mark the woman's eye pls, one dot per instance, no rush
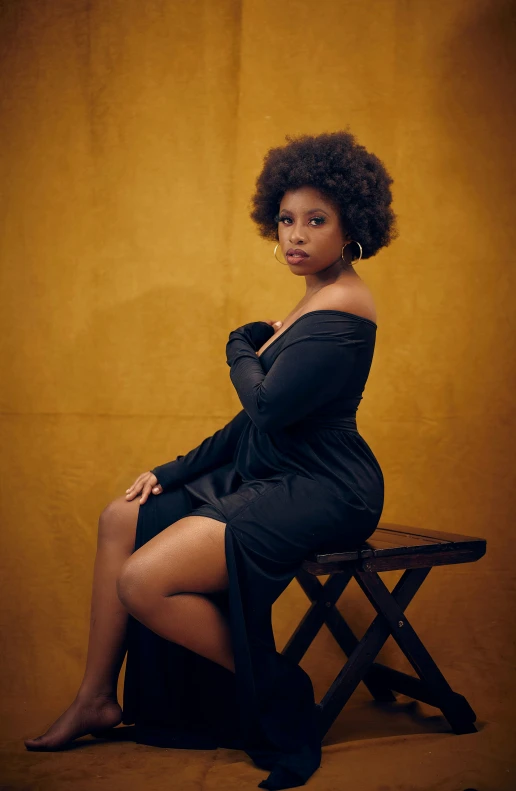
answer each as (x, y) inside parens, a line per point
(319, 220)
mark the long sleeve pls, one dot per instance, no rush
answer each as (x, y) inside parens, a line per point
(213, 452)
(311, 370)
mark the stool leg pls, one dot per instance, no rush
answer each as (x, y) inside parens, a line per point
(365, 652)
(345, 637)
(323, 597)
(323, 610)
(455, 707)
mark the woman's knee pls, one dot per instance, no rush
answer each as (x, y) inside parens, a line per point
(118, 520)
(186, 557)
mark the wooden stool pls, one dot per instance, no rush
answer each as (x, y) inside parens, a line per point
(390, 547)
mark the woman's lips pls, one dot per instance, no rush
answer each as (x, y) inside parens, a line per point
(295, 258)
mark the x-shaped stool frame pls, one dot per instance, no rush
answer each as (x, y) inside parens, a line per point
(431, 687)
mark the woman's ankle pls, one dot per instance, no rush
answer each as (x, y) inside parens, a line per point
(87, 694)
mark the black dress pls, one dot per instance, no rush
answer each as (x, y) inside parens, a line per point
(289, 475)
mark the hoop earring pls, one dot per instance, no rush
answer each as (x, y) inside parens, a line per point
(278, 259)
(353, 260)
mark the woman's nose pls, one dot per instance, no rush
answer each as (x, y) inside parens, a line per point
(297, 237)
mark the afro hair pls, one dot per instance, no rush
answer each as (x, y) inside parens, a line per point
(355, 180)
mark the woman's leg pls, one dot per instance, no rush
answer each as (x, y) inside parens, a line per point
(96, 705)
(160, 585)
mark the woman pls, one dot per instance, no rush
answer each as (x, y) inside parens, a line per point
(186, 573)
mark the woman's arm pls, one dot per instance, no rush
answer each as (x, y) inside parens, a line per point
(311, 370)
(213, 452)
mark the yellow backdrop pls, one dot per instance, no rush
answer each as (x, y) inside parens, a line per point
(131, 136)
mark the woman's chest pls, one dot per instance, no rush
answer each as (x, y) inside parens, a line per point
(291, 318)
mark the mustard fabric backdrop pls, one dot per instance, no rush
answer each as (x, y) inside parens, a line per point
(131, 136)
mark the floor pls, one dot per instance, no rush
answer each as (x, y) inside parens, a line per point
(405, 746)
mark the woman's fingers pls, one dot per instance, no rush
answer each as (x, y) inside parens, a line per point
(133, 491)
(145, 493)
(136, 488)
(137, 481)
(145, 483)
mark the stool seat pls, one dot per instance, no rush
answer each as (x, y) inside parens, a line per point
(392, 546)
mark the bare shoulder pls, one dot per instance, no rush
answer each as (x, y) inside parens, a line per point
(353, 297)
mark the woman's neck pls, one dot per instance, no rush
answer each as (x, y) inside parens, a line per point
(315, 285)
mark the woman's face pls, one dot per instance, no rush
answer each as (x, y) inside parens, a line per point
(309, 222)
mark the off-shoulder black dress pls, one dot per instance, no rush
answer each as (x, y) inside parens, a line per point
(289, 475)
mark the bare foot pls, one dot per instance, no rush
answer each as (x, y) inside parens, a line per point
(80, 718)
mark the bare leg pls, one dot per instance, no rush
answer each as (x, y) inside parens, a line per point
(193, 621)
(160, 585)
(96, 706)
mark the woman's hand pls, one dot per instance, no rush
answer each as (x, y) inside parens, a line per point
(145, 483)
(254, 333)
(275, 324)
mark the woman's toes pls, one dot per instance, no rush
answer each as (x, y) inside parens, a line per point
(37, 743)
